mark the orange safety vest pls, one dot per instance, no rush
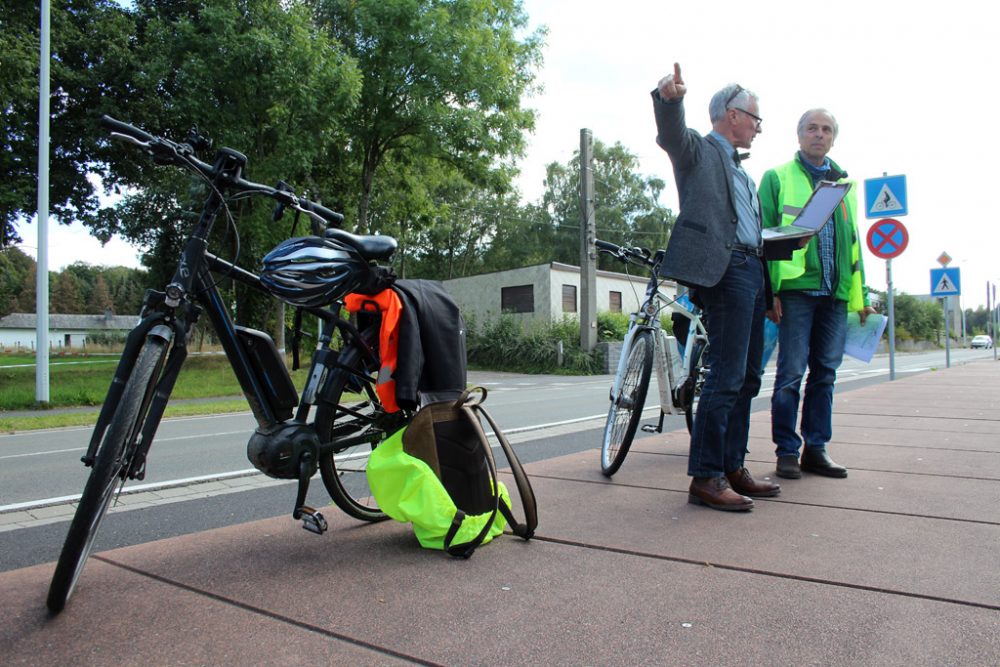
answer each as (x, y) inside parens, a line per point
(388, 304)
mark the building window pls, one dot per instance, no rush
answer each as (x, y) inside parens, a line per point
(615, 302)
(518, 299)
(569, 298)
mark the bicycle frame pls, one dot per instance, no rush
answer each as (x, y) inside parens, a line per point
(672, 367)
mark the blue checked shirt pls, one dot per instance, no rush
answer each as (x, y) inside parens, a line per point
(825, 245)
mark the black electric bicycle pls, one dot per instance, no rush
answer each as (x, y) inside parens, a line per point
(349, 422)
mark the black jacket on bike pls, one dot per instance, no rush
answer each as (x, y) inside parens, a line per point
(432, 358)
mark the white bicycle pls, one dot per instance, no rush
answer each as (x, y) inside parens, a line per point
(680, 370)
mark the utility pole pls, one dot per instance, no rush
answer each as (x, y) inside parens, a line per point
(588, 254)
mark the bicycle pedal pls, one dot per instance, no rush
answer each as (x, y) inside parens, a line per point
(312, 520)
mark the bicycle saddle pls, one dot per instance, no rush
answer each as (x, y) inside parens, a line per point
(371, 247)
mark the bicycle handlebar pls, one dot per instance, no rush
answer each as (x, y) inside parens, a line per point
(165, 151)
(626, 255)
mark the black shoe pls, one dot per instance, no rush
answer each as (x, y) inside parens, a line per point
(788, 467)
(816, 460)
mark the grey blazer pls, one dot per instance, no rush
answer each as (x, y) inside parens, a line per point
(701, 242)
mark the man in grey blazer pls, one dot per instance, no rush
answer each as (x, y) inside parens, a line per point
(716, 248)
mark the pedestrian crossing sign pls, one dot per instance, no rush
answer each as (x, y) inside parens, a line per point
(885, 197)
(946, 282)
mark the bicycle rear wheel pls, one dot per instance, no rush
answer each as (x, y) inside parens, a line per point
(696, 382)
(626, 408)
(361, 424)
(111, 463)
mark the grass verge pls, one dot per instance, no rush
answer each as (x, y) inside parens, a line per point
(44, 421)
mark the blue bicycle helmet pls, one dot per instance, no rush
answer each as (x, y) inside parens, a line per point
(311, 271)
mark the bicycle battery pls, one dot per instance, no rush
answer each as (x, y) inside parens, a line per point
(269, 368)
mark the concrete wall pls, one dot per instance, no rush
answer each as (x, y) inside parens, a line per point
(479, 296)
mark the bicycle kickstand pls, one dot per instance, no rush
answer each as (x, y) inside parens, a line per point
(649, 428)
(312, 520)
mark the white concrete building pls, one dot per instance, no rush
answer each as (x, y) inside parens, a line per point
(17, 330)
(546, 292)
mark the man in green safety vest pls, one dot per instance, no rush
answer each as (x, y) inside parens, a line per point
(813, 292)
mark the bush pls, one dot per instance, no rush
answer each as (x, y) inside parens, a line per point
(508, 345)
(612, 326)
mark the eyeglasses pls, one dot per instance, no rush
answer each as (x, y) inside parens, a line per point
(754, 116)
(733, 96)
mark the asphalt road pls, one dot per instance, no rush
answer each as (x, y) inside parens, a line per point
(546, 416)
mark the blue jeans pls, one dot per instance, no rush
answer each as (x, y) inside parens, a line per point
(812, 333)
(734, 311)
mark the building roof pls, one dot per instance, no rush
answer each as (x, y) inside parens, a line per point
(107, 322)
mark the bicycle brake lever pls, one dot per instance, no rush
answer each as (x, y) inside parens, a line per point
(130, 139)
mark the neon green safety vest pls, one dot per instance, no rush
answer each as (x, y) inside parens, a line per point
(785, 189)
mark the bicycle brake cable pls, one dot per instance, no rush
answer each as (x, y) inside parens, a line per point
(230, 220)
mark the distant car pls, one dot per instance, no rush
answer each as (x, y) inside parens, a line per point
(981, 341)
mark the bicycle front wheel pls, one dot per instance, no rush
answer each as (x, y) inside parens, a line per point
(626, 407)
(111, 463)
(356, 426)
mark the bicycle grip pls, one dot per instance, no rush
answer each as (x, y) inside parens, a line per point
(606, 246)
(124, 128)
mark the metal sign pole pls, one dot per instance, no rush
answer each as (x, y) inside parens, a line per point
(947, 334)
(892, 321)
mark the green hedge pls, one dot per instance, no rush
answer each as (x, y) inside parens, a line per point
(505, 344)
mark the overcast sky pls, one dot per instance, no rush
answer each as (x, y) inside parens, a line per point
(907, 82)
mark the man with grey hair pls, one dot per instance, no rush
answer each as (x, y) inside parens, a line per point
(716, 249)
(813, 292)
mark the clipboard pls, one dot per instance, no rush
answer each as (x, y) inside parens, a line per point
(818, 209)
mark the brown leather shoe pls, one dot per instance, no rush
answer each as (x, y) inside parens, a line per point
(714, 492)
(743, 482)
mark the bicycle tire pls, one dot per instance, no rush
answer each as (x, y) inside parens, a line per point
(626, 411)
(345, 480)
(110, 465)
(698, 372)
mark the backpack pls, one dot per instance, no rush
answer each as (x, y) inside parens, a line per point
(438, 474)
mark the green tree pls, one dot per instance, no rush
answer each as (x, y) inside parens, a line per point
(90, 67)
(99, 299)
(626, 204)
(66, 294)
(443, 80)
(15, 269)
(255, 75)
(915, 318)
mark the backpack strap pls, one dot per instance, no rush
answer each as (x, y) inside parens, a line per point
(465, 549)
(475, 407)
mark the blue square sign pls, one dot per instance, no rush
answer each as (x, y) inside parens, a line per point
(946, 282)
(885, 197)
